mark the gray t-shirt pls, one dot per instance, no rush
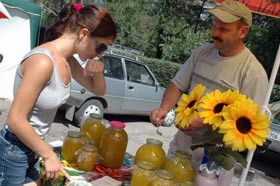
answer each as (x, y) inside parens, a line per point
(54, 94)
(241, 72)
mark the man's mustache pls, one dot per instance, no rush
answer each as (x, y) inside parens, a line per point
(217, 38)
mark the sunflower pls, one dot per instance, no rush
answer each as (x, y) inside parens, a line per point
(244, 126)
(187, 106)
(212, 105)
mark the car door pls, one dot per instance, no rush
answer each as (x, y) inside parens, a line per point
(115, 83)
(141, 91)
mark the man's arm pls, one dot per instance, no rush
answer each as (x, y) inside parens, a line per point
(170, 97)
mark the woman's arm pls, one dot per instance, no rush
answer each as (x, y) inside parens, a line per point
(37, 71)
(92, 77)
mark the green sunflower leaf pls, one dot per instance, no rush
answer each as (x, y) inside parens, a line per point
(221, 157)
(237, 156)
(209, 136)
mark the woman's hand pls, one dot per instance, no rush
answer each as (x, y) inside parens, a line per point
(93, 68)
(53, 167)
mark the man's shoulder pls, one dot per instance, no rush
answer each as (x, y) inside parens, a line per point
(250, 56)
(254, 65)
(205, 49)
(207, 46)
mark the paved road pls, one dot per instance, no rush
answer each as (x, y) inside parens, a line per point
(138, 129)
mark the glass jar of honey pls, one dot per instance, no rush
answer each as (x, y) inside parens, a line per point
(151, 152)
(113, 145)
(163, 178)
(142, 173)
(71, 144)
(93, 127)
(87, 157)
(181, 166)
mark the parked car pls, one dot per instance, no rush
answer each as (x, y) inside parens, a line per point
(132, 89)
(274, 137)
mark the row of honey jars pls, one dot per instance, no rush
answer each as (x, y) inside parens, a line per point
(144, 174)
(112, 148)
(111, 141)
(179, 164)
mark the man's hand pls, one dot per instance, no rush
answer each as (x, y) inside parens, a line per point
(157, 116)
(196, 123)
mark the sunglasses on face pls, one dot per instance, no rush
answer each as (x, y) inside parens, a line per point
(100, 47)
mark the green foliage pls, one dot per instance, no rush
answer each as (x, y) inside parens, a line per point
(212, 141)
(275, 94)
(170, 29)
(179, 49)
(135, 25)
(158, 27)
(163, 70)
(264, 40)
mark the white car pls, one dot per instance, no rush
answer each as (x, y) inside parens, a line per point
(132, 89)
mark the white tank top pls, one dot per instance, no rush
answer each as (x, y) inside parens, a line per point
(54, 94)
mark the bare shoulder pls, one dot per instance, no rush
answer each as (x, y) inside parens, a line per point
(37, 64)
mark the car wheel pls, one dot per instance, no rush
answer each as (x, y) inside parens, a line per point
(169, 119)
(90, 106)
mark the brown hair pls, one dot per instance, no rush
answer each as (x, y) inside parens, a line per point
(95, 18)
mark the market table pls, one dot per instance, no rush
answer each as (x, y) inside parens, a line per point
(100, 175)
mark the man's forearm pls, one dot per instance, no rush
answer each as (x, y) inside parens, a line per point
(170, 97)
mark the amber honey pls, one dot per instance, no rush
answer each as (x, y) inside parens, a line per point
(87, 157)
(71, 144)
(113, 145)
(93, 127)
(163, 178)
(181, 166)
(151, 152)
(142, 173)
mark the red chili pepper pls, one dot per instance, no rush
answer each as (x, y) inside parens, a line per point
(100, 169)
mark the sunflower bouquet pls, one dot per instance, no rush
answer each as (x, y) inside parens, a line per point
(234, 122)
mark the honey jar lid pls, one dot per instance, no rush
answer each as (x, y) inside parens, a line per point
(117, 124)
(183, 154)
(146, 165)
(74, 134)
(89, 148)
(165, 174)
(154, 141)
(94, 115)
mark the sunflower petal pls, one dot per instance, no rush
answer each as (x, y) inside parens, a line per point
(249, 143)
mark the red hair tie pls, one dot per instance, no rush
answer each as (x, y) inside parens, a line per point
(77, 6)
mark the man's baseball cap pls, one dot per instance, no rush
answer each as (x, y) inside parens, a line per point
(230, 11)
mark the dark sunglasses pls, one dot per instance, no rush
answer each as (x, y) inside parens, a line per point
(100, 47)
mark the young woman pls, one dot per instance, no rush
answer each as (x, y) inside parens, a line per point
(42, 84)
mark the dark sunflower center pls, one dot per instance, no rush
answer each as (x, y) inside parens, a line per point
(219, 107)
(191, 104)
(243, 125)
